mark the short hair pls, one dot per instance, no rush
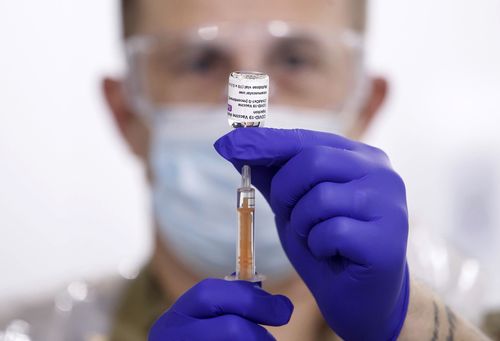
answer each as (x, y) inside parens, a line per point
(130, 14)
(359, 18)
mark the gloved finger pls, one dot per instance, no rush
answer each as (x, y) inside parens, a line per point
(310, 167)
(273, 147)
(233, 327)
(345, 237)
(327, 200)
(175, 326)
(216, 297)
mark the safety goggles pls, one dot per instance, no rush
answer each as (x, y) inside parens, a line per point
(307, 66)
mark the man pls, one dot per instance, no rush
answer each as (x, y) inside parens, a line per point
(338, 208)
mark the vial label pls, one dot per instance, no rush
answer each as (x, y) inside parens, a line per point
(248, 94)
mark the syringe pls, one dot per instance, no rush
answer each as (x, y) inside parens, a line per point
(247, 107)
(245, 258)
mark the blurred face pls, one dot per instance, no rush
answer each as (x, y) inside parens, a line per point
(183, 51)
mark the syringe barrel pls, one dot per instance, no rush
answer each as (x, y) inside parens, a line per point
(245, 261)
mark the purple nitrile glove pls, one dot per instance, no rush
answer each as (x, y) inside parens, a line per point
(215, 309)
(342, 220)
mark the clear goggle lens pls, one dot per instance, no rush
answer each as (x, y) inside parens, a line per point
(307, 66)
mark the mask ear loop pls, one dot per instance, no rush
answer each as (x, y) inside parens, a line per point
(134, 85)
(353, 108)
(362, 87)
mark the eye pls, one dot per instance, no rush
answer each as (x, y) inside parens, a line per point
(292, 55)
(202, 63)
(295, 61)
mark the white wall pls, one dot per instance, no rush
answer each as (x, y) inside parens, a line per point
(72, 201)
(441, 129)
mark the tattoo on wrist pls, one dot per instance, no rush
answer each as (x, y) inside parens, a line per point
(452, 319)
(435, 333)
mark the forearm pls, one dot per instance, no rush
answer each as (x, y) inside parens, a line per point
(429, 319)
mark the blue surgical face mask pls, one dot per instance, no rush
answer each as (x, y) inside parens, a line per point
(194, 192)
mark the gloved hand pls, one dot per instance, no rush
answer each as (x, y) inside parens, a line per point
(215, 309)
(342, 220)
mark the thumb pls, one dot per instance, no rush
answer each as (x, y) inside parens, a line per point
(262, 172)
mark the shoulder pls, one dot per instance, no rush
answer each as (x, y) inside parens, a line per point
(91, 304)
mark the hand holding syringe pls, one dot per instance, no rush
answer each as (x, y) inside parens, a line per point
(247, 107)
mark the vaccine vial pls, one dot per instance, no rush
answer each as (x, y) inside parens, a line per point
(248, 95)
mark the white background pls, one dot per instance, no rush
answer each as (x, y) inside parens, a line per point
(72, 201)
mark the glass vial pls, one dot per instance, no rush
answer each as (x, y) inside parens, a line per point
(248, 95)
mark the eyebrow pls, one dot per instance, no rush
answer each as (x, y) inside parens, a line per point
(299, 41)
(179, 49)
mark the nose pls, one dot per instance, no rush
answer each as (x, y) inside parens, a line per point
(247, 55)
